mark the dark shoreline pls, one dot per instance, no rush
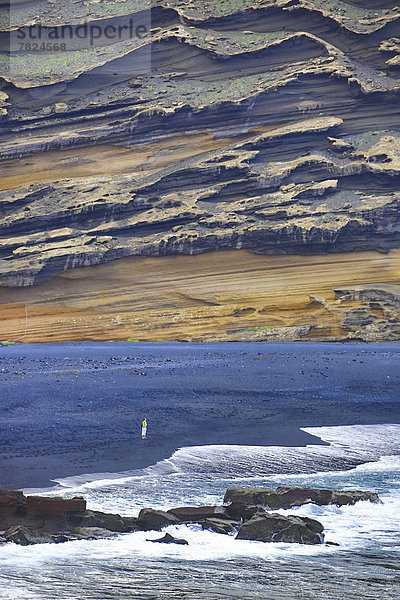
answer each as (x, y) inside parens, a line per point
(75, 408)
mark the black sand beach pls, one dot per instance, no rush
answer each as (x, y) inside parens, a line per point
(76, 408)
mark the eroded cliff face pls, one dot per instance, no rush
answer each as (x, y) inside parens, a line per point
(271, 126)
(232, 295)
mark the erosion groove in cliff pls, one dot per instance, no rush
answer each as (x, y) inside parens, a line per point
(264, 125)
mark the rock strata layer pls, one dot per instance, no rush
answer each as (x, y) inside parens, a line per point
(220, 296)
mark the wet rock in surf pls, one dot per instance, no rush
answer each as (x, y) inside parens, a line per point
(194, 514)
(37, 512)
(329, 543)
(169, 539)
(38, 520)
(287, 497)
(278, 528)
(343, 497)
(243, 512)
(220, 525)
(92, 533)
(25, 521)
(155, 519)
(109, 521)
(24, 536)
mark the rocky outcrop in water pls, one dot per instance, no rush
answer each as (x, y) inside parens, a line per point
(277, 528)
(40, 520)
(170, 539)
(288, 497)
(156, 519)
(269, 125)
(29, 520)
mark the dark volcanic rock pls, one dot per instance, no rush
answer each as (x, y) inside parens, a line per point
(25, 537)
(220, 525)
(349, 497)
(38, 505)
(100, 520)
(242, 511)
(331, 544)
(277, 528)
(92, 533)
(37, 519)
(51, 514)
(169, 539)
(155, 519)
(287, 497)
(253, 521)
(191, 514)
(12, 503)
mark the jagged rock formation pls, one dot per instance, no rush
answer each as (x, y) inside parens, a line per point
(39, 520)
(266, 125)
(275, 528)
(288, 497)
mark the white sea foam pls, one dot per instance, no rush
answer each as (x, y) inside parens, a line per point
(361, 525)
(203, 545)
(366, 440)
(349, 447)
(13, 593)
(385, 463)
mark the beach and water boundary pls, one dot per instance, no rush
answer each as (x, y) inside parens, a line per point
(75, 408)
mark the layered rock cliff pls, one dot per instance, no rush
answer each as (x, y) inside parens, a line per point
(271, 126)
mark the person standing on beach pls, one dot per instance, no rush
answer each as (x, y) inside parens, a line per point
(144, 428)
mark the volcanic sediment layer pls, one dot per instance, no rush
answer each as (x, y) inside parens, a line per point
(227, 130)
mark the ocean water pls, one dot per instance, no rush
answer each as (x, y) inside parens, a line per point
(365, 565)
